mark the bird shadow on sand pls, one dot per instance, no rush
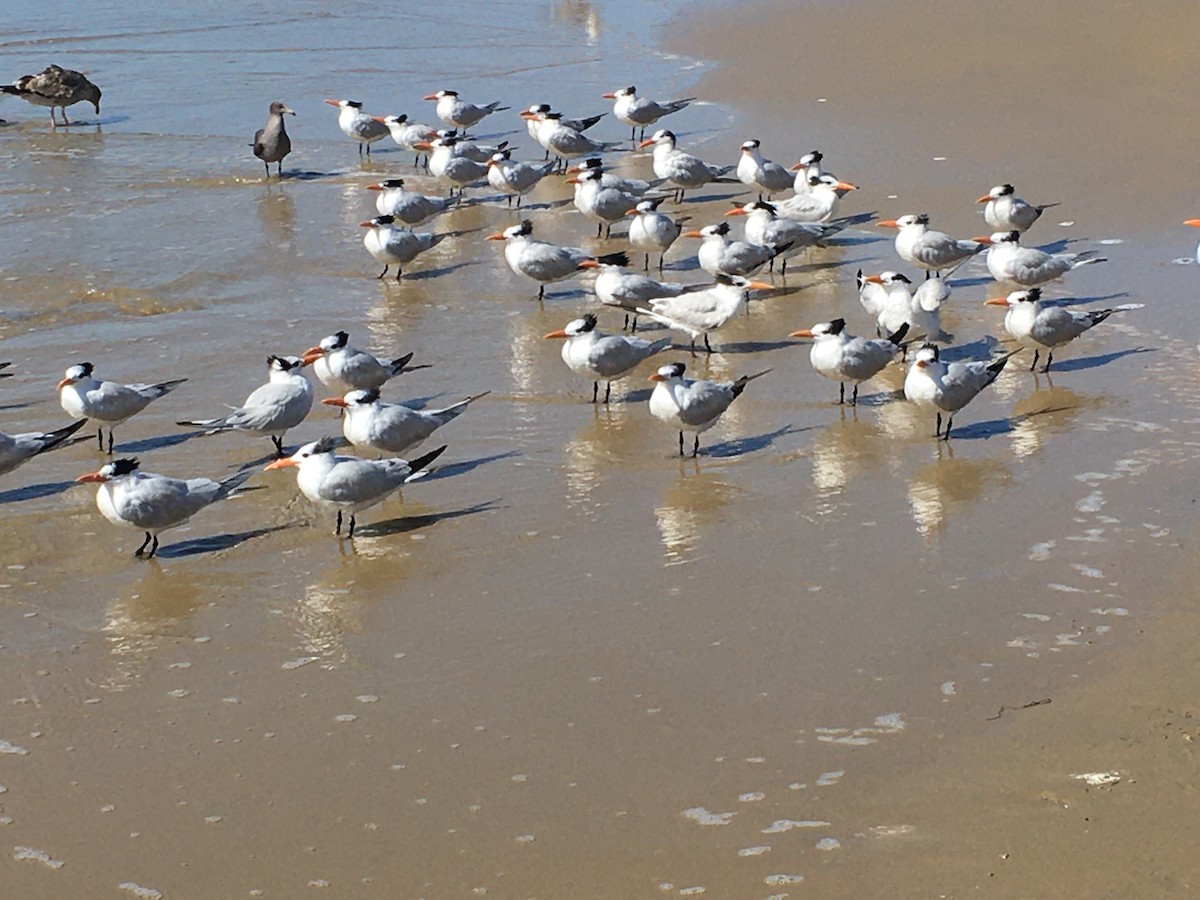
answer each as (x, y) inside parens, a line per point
(974, 281)
(24, 405)
(310, 175)
(751, 346)
(565, 295)
(742, 446)
(974, 350)
(981, 431)
(826, 264)
(1094, 362)
(436, 272)
(1082, 301)
(405, 524)
(710, 198)
(856, 240)
(214, 543)
(156, 443)
(450, 470)
(35, 491)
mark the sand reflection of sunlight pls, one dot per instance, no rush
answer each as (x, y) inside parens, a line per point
(936, 487)
(692, 502)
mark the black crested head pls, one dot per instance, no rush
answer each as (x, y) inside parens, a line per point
(394, 183)
(667, 133)
(282, 363)
(592, 162)
(937, 354)
(327, 444)
(1013, 236)
(677, 369)
(721, 228)
(354, 104)
(1035, 294)
(815, 156)
(450, 93)
(922, 218)
(124, 466)
(342, 338)
(836, 326)
(632, 89)
(902, 278)
(403, 117)
(814, 180)
(526, 227)
(589, 323)
(87, 367)
(368, 397)
(763, 204)
(722, 278)
(1006, 190)
(542, 108)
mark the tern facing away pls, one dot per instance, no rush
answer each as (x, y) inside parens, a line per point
(459, 113)
(1005, 211)
(408, 207)
(271, 409)
(546, 263)
(932, 384)
(600, 356)
(16, 449)
(692, 405)
(343, 368)
(391, 427)
(153, 503)
(55, 86)
(357, 125)
(271, 142)
(347, 483)
(638, 112)
(1007, 260)
(83, 396)
(654, 231)
(933, 251)
(1048, 327)
(839, 355)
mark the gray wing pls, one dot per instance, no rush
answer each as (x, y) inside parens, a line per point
(364, 371)
(1055, 326)
(932, 293)
(963, 381)
(614, 355)
(362, 480)
(702, 401)
(154, 502)
(873, 298)
(862, 359)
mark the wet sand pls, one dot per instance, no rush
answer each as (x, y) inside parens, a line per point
(574, 665)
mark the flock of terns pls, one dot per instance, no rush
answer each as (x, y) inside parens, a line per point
(907, 321)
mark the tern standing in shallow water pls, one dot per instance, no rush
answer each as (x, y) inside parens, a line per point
(932, 384)
(839, 355)
(600, 356)
(16, 449)
(82, 395)
(692, 404)
(1005, 211)
(370, 423)
(357, 125)
(547, 263)
(640, 112)
(1048, 327)
(1008, 261)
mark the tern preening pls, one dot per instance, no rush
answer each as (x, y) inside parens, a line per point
(83, 396)
(396, 246)
(343, 368)
(370, 423)
(153, 503)
(1005, 211)
(932, 384)
(347, 483)
(271, 409)
(702, 312)
(839, 355)
(886, 297)
(55, 86)
(516, 179)
(600, 356)
(933, 251)
(16, 449)
(1048, 327)
(684, 171)
(357, 125)
(693, 405)
(640, 112)
(457, 112)
(546, 263)
(654, 231)
(408, 207)
(1008, 261)
(271, 142)
(604, 204)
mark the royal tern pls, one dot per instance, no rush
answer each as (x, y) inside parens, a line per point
(719, 255)
(531, 122)
(153, 503)
(55, 87)
(684, 171)
(445, 164)
(764, 227)
(407, 134)
(16, 449)
(1195, 223)
(546, 263)
(1007, 212)
(818, 200)
(701, 312)
(83, 396)
(515, 179)
(394, 246)
(408, 207)
(809, 167)
(692, 404)
(639, 112)
(565, 143)
(654, 231)
(932, 384)
(272, 408)
(342, 368)
(886, 297)
(768, 177)
(347, 483)
(1008, 261)
(839, 355)
(469, 147)
(930, 250)
(635, 186)
(1048, 327)
(604, 204)
(600, 356)
(271, 142)
(370, 423)
(453, 111)
(357, 125)
(628, 291)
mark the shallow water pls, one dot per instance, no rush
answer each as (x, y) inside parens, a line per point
(569, 664)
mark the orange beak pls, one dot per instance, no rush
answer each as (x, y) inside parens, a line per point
(494, 237)
(62, 384)
(803, 332)
(333, 102)
(335, 401)
(736, 211)
(694, 234)
(286, 463)
(589, 264)
(609, 96)
(796, 168)
(311, 356)
(887, 223)
(430, 97)
(633, 212)
(367, 224)
(646, 143)
(573, 180)
(555, 334)
(921, 364)
(382, 120)
(422, 145)
(374, 187)
(996, 301)
(982, 240)
(1195, 223)
(526, 114)
(657, 377)
(91, 477)
(760, 286)
(845, 186)
(984, 199)
(874, 279)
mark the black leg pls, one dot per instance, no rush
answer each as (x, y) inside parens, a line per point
(681, 443)
(854, 396)
(783, 268)
(277, 440)
(607, 390)
(707, 345)
(599, 229)
(541, 292)
(399, 272)
(153, 547)
(841, 392)
(661, 257)
(1049, 359)
(337, 529)
(693, 348)
(696, 446)
(110, 442)
(100, 439)
(138, 552)
(350, 533)
(626, 325)
(1033, 365)
(381, 274)
(267, 166)
(949, 423)
(633, 327)
(938, 431)
(595, 390)
(608, 231)
(279, 169)
(646, 267)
